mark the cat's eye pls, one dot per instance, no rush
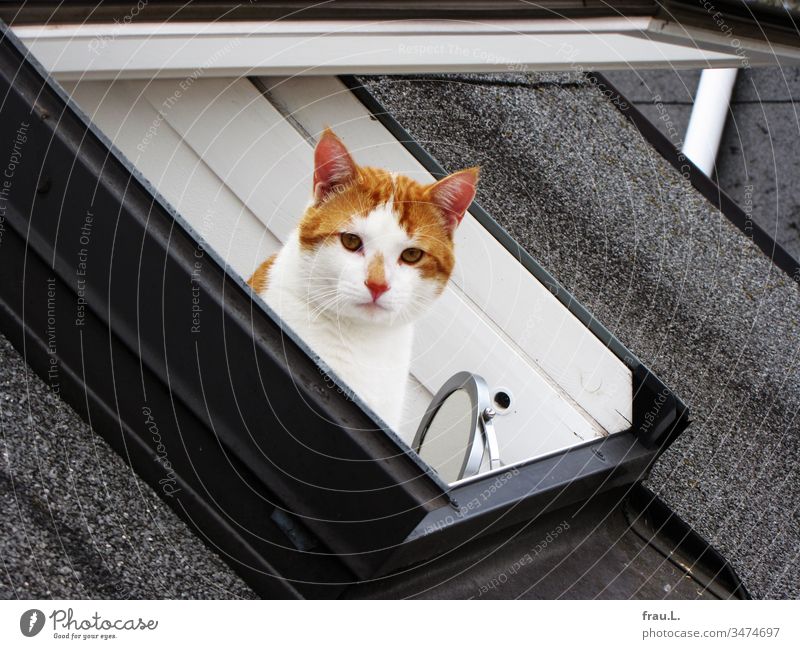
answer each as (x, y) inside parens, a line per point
(351, 241)
(411, 255)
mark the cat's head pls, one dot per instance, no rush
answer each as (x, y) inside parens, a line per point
(378, 246)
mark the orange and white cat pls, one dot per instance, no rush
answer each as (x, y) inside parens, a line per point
(371, 253)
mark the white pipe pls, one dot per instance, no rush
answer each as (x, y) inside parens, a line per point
(709, 113)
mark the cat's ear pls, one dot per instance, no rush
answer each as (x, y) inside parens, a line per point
(333, 165)
(454, 194)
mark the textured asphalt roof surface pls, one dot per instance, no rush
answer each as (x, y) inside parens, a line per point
(574, 182)
(75, 522)
(758, 162)
(577, 185)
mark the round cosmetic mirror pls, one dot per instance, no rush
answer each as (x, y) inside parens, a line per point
(456, 436)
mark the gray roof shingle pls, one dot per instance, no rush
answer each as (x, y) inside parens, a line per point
(75, 521)
(573, 181)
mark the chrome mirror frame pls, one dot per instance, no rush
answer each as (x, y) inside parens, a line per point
(483, 440)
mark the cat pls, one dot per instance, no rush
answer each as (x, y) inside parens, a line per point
(371, 253)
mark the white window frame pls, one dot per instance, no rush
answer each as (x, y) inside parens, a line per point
(233, 49)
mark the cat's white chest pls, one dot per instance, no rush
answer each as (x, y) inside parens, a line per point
(373, 361)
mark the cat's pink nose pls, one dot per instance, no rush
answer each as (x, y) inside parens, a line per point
(376, 288)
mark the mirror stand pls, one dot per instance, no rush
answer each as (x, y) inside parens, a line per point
(456, 436)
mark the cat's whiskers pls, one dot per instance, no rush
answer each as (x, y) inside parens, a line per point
(315, 313)
(318, 297)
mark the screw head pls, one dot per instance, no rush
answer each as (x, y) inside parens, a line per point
(488, 414)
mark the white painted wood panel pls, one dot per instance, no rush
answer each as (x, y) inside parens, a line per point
(247, 143)
(233, 49)
(209, 206)
(518, 304)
